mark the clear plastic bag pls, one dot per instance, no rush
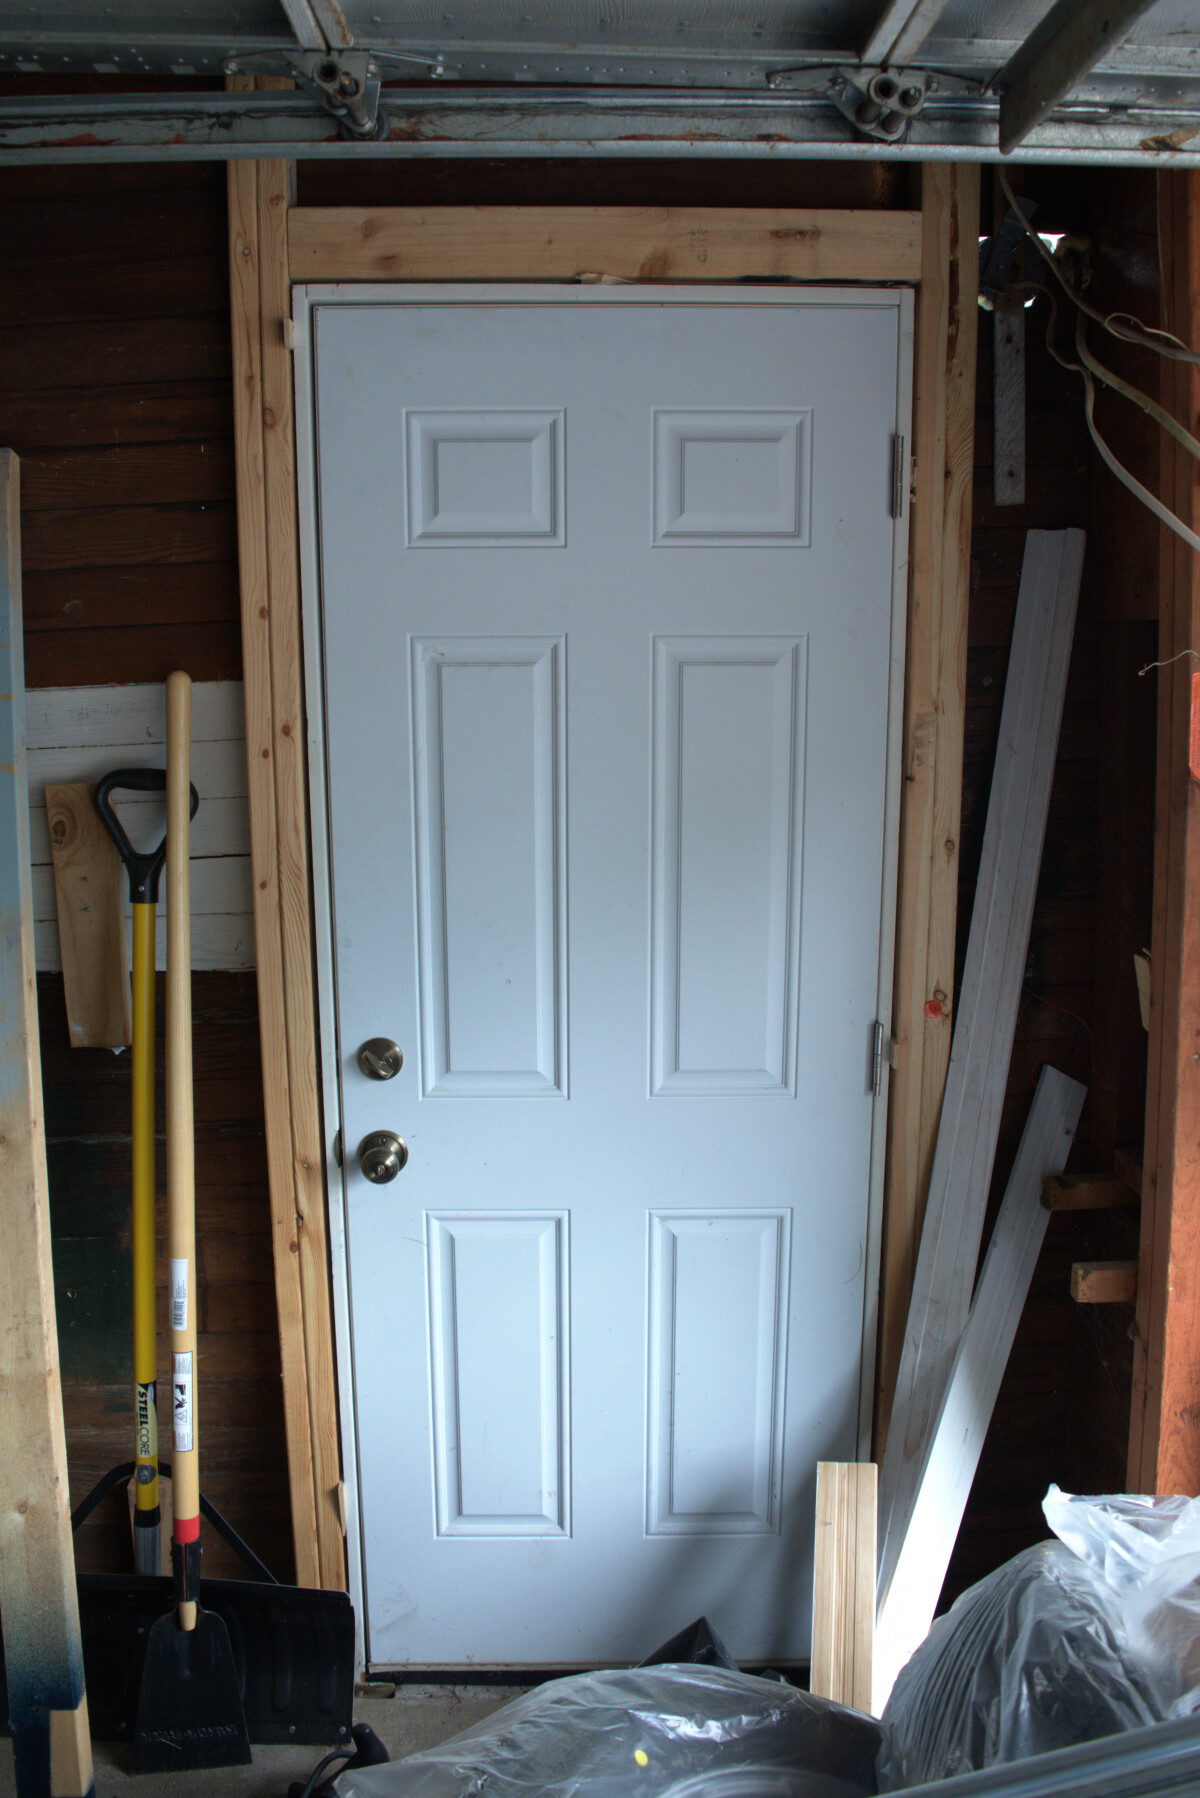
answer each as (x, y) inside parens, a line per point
(1072, 1640)
(675, 1731)
(1147, 1552)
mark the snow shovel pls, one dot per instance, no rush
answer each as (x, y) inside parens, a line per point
(190, 1710)
(143, 870)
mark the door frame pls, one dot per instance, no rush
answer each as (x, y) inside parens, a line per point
(265, 228)
(305, 298)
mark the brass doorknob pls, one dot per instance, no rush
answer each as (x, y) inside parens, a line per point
(382, 1155)
(381, 1058)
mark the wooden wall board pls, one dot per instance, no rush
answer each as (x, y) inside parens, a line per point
(260, 302)
(114, 381)
(81, 734)
(372, 182)
(561, 243)
(135, 412)
(196, 472)
(935, 693)
(1164, 1454)
(43, 1651)
(992, 980)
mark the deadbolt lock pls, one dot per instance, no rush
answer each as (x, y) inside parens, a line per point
(381, 1058)
(382, 1155)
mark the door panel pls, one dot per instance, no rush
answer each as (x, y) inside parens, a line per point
(607, 637)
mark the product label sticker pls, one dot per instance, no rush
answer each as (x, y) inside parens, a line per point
(179, 1294)
(147, 1424)
(181, 1402)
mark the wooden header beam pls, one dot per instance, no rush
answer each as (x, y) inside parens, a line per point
(627, 243)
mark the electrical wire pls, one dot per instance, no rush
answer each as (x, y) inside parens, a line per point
(1163, 343)
(1083, 368)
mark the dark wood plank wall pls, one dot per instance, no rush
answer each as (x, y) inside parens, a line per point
(114, 391)
(114, 365)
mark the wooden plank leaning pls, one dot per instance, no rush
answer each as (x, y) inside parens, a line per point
(52, 1748)
(952, 1455)
(986, 1021)
(844, 1583)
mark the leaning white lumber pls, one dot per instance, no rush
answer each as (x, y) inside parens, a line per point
(945, 1479)
(52, 1749)
(844, 1583)
(987, 1015)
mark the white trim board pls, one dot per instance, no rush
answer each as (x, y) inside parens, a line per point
(987, 1014)
(944, 1484)
(305, 298)
(81, 733)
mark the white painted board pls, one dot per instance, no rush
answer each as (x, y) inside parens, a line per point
(949, 1468)
(82, 733)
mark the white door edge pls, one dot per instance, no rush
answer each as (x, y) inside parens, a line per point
(304, 299)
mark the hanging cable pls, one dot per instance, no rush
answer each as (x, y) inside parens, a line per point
(1163, 343)
(1081, 368)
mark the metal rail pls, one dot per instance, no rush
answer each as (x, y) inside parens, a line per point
(1155, 127)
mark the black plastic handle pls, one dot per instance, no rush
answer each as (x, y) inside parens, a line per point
(143, 869)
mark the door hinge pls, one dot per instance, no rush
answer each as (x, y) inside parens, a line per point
(884, 1049)
(897, 476)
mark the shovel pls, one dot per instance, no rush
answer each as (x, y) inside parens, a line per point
(143, 870)
(189, 1711)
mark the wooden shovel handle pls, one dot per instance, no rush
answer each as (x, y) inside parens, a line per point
(181, 1163)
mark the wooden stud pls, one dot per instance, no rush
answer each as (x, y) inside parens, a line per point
(934, 716)
(43, 1652)
(987, 1017)
(89, 891)
(1164, 1450)
(908, 1600)
(1008, 390)
(629, 243)
(279, 855)
(291, 828)
(1104, 1282)
(844, 1583)
(1086, 1192)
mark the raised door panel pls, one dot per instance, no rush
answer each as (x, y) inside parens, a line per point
(490, 854)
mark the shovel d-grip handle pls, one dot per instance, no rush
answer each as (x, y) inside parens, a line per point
(143, 868)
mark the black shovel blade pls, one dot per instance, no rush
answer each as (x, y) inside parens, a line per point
(189, 1712)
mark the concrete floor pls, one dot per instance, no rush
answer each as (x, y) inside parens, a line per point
(416, 1717)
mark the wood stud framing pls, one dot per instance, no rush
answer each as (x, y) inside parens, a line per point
(1164, 1447)
(934, 714)
(267, 547)
(48, 1706)
(935, 248)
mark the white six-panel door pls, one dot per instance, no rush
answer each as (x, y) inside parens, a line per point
(606, 599)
